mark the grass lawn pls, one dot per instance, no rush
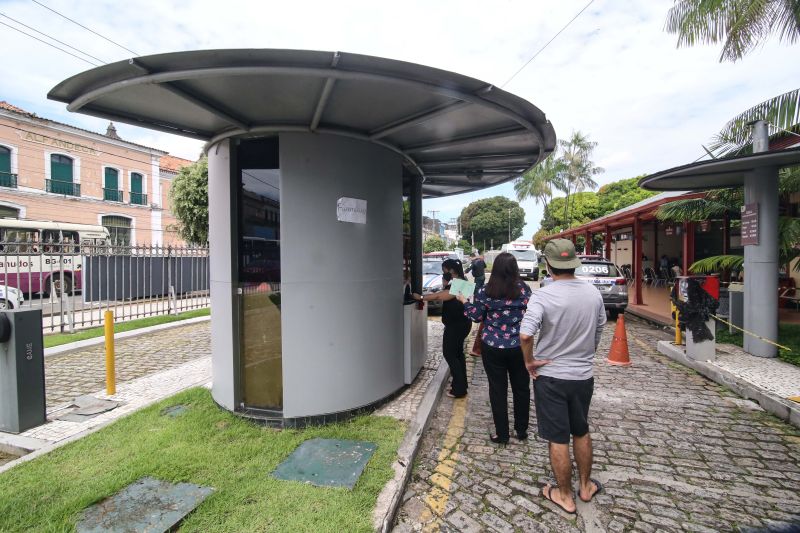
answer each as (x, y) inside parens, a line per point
(788, 335)
(207, 446)
(57, 339)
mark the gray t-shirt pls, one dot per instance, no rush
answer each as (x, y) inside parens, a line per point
(568, 315)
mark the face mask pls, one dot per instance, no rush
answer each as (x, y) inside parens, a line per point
(447, 276)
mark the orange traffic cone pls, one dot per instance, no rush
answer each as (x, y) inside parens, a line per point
(618, 354)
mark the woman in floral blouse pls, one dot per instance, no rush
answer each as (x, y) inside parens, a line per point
(500, 305)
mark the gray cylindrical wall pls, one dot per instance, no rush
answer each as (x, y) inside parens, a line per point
(341, 294)
(224, 353)
(342, 312)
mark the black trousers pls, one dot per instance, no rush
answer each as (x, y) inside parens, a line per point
(453, 351)
(503, 366)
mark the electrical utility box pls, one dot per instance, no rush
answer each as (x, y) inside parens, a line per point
(22, 399)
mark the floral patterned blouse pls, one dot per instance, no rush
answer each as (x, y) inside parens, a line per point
(501, 318)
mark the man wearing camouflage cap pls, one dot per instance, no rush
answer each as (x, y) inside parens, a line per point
(568, 315)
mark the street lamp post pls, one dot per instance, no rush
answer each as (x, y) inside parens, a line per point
(509, 224)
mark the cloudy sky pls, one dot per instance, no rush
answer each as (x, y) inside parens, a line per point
(613, 73)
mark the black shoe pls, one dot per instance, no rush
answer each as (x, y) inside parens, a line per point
(522, 436)
(498, 440)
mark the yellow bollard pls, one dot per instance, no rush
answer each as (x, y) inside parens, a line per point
(678, 337)
(111, 385)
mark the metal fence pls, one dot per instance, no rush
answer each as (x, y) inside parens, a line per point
(75, 284)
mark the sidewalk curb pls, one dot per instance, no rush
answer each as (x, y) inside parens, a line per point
(88, 343)
(783, 409)
(391, 497)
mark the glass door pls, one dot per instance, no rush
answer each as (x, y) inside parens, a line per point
(259, 265)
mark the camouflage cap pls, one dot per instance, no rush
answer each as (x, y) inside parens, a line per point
(560, 253)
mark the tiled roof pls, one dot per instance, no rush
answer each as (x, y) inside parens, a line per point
(8, 107)
(14, 109)
(172, 163)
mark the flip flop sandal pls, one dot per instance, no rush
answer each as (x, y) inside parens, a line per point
(598, 491)
(548, 496)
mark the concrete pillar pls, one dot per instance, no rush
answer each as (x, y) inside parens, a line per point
(761, 260)
(415, 213)
(637, 262)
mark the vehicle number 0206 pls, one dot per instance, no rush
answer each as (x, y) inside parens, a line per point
(595, 269)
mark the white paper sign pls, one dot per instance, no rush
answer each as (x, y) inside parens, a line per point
(351, 210)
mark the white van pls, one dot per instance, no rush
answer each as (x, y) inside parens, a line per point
(527, 258)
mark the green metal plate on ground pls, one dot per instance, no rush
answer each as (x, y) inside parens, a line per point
(174, 411)
(148, 505)
(327, 462)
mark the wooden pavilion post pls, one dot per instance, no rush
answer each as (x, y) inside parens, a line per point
(688, 246)
(637, 262)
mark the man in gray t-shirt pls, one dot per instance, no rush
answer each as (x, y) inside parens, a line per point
(568, 316)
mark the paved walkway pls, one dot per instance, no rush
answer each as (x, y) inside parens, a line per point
(83, 372)
(675, 451)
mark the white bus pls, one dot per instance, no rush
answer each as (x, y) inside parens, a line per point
(39, 256)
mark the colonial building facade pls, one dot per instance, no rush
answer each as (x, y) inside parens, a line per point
(57, 172)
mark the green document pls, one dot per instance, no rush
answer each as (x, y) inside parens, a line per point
(459, 286)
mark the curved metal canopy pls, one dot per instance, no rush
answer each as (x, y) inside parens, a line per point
(460, 133)
(718, 173)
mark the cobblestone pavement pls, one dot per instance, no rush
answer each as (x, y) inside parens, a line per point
(83, 372)
(675, 452)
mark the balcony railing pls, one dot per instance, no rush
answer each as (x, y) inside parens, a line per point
(7, 179)
(112, 195)
(138, 198)
(67, 188)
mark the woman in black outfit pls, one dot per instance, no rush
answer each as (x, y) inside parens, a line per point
(456, 327)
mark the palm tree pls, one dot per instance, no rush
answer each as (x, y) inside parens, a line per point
(741, 25)
(578, 167)
(538, 182)
(781, 112)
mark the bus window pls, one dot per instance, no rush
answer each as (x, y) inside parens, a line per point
(18, 241)
(70, 239)
(50, 240)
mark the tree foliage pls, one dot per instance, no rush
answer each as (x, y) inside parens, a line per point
(619, 194)
(189, 201)
(781, 113)
(740, 25)
(585, 207)
(578, 168)
(538, 182)
(464, 245)
(488, 220)
(434, 243)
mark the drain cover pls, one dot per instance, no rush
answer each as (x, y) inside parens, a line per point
(174, 411)
(327, 462)
(148, 505)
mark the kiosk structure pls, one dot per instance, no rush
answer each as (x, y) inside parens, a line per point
(311, 156)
